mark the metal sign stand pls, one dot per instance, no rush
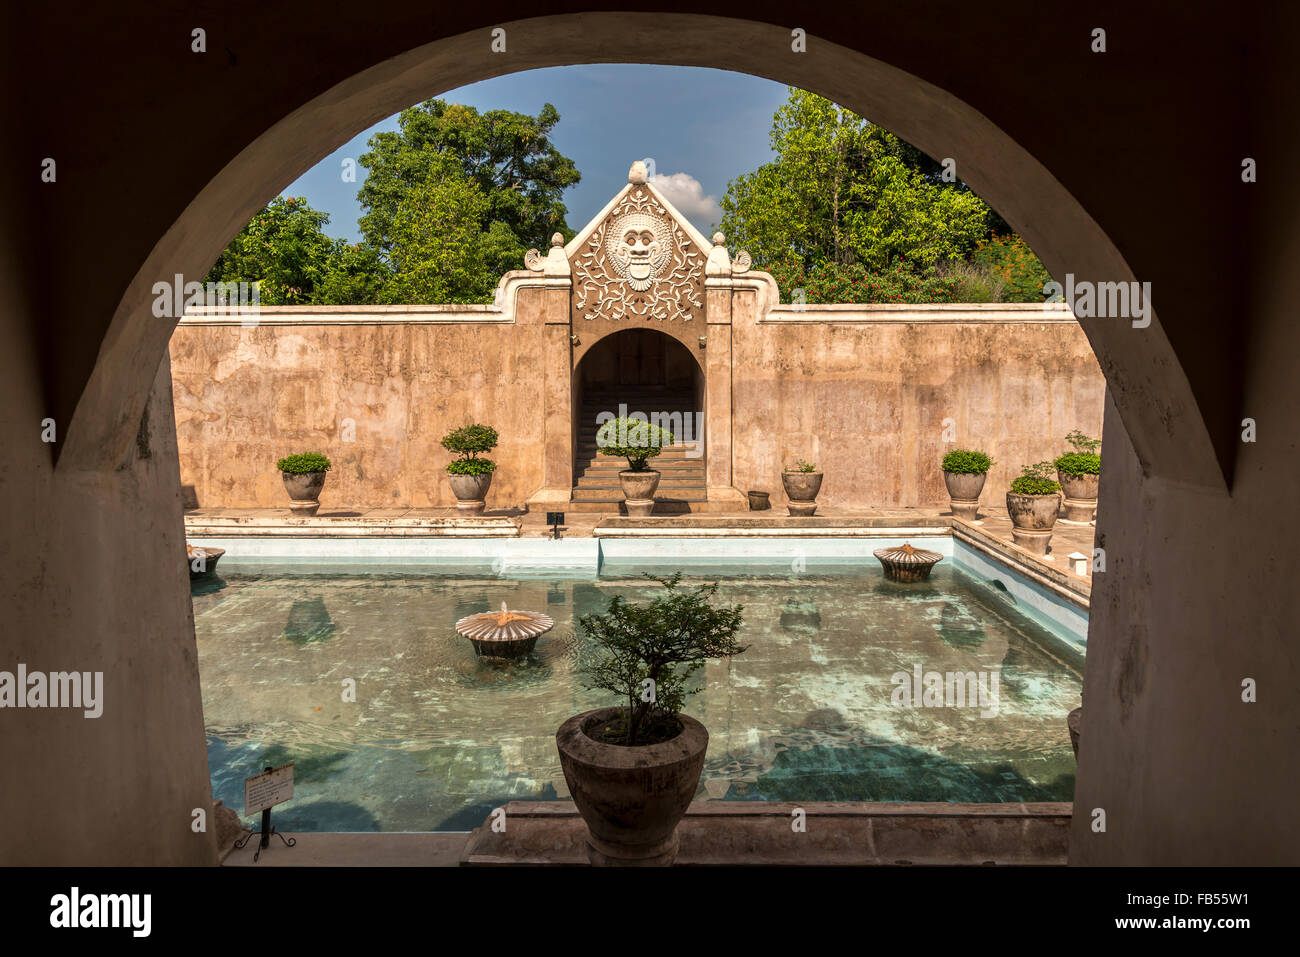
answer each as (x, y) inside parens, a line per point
(266, 832)
(555, 520)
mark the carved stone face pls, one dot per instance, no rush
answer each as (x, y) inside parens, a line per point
(639, 248)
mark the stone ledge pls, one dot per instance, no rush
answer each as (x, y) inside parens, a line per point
(1070, 587)
(743, 833)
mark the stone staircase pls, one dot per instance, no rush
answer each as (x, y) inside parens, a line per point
(682, 487)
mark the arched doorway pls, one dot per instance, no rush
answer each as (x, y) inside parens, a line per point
(639, 371)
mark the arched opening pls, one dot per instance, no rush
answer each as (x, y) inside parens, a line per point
(648, 372)
(192, 216)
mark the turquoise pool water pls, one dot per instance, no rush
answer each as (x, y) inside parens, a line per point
(814, 710)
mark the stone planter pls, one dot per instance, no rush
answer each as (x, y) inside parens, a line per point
(1032, 518)
(304, 489)
(801, 489)
(964, 490)
(470, 491)
(1074, 721)
(639, 490)
(1080, 497)
(759, 502)
(631, 798)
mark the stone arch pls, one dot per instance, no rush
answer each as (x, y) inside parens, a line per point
(1147, 383)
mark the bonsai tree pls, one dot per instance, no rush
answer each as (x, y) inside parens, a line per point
(303, 463)
(966, 462)
(634, 439)
(1035, 479)
(801, 466)
(648, 652)
(1084, 460)
(467, 442)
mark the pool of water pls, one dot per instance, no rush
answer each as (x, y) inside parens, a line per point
(814, 710)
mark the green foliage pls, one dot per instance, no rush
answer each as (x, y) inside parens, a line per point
(503, 162)
(1084, 460)
(843, 190)
(826, 282)
(1082, 443)
(474, 466)
(634, 439)
(285, 250)
(1010, 259)
(966, 462)
(435, 236)
(664, 641)
(1036, 479)
(467, 442)
(801, 466)
(1078, 463)
(303, 463)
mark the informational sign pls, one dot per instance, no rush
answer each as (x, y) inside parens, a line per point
(268, 789)
(554, 518)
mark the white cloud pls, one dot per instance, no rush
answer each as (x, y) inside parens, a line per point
(685, 192)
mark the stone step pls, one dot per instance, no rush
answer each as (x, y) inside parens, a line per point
(614, 496)
(666, 485)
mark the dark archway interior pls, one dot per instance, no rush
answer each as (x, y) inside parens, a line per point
(640, 370)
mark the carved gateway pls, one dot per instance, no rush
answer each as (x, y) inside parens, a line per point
(638, 264)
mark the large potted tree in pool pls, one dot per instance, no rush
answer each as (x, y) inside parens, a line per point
(1078, 472)
(1033, 502)
(304, 477)
(638, 441)
(469, 475)
(633, 770)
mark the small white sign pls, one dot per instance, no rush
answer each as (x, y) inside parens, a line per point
(268, 789)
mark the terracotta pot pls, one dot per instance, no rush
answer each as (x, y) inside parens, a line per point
(639, 490)
(304, 489)
(964, 491)
(759, 501)
(632, 798)
(801, 489)
(1080, 497)
(470, 491)
(1032, 518)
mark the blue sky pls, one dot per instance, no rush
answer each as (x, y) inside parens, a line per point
(701, 127)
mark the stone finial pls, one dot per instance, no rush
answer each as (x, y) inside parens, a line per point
(719, 262)
(637, 175)
(557, 239)
(719, 239)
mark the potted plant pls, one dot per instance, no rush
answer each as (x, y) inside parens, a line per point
(802, 482)
(964, 473)
(469, 475)
(636, 440)
(1078, 472)
(304, 477)
(1033, 502)
(634, 769)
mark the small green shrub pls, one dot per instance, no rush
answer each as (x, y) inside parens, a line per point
(471, 466)
(1078, 463)
(1036, 479)
(303, 463)
(664, 642)
(801, 466)
(467, 442)
(633, 439)
(966, 462)
(1084, 460)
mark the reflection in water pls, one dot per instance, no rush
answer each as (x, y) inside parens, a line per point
(436, 733)
(309, 620)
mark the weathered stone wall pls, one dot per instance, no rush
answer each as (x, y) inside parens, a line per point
(863, 393)
(245, 397)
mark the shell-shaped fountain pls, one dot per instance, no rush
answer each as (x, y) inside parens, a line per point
(504, 634)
